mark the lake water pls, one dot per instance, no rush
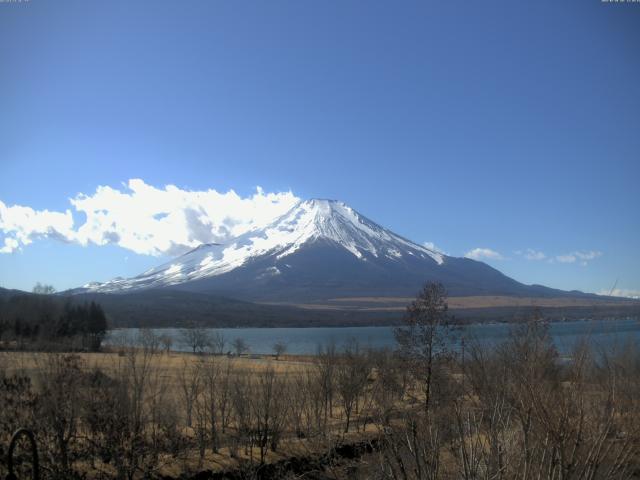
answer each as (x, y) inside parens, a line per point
(600, 333)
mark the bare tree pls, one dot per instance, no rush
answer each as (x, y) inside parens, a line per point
(240, 346)
(389, 385)
(314, 386)
(217, 343)
(190, 383)
(279, 348)
(326, 361)
(516, 410)
(223, 392)
(167, 342)
(352, 373)
(148, 340)
(410, 449)
(19, 402)
(61, 377)
(299, 402)
(423, 340)
(211, 374)
(196, 338)
(269, 407)
(107, 418)
(240, 401)
(140, 426)
(529, 415)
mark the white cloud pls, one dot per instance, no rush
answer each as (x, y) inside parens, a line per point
(583, 257)
(588, 255)
(432, 246)
(531, 254)
(146, 219)
(621, 292)
(10, 244)
(21, 225)
(480, 253)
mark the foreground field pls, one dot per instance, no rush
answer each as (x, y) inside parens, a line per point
(517, 411)
(198, 412)
(172, 363)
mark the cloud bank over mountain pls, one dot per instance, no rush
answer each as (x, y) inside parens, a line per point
(145, 219)
(169, 221)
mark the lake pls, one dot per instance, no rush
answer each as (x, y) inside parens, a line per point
(600, 333)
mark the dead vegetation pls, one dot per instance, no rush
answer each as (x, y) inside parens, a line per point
(513, 411)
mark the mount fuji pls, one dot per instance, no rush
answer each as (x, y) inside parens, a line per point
(320, 250)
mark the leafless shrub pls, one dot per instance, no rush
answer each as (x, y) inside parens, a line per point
(217, 343)
(533, 416)
(211, 373)
(411, 449)
(279, 348)
(195, 337)
(240, 402)
(19, 403)
(190, 383)
(326, 362)
(269, 408)
(517, 410)
(60, 378)
(167, 342)
(389, 384)
(149, 341)
(352, 373)
(240, 346)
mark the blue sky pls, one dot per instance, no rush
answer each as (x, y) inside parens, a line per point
(499, 125)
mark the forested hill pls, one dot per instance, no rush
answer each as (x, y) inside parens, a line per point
(29, 319)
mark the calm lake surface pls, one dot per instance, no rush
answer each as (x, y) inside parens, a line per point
(600, 333)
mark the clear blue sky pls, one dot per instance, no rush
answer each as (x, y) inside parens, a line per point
(499, 124)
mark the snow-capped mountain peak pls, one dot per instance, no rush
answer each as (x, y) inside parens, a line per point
(320, 252)
(337, 222)
(316, 221)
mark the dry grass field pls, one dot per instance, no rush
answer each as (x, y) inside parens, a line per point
(185, 387)
(513, 411)
(171, 364)
(471, 302)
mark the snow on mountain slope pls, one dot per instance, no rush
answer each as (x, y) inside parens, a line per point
(325, 222)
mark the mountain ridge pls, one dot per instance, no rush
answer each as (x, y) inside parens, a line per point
(321, 249)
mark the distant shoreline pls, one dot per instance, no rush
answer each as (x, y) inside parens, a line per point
(306, 340)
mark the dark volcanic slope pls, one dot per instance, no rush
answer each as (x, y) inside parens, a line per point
(322, 270)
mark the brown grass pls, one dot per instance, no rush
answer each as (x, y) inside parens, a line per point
(487, 301)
